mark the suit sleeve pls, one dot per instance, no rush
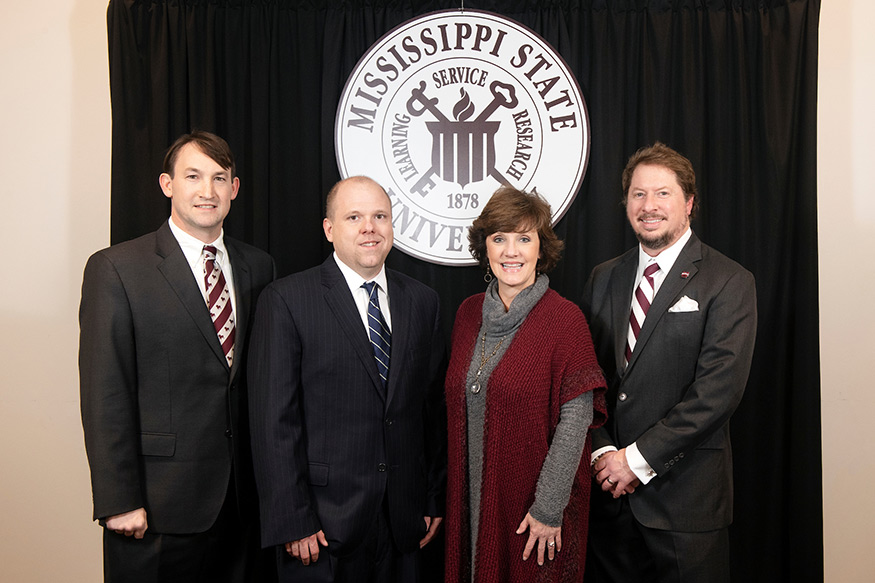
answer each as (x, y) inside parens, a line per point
(108, 390)
(603, 343)
(720, 378)
(276, 419)
(436, 423)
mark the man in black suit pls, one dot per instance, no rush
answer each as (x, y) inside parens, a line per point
(346, 406)
(164, 323)
(674, 323)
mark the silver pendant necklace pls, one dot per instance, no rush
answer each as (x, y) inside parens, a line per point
(475, 386)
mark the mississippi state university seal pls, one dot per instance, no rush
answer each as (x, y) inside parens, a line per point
(448, 107)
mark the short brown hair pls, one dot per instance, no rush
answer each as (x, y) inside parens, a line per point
(661, 155)
(210, 144)
(514, 211)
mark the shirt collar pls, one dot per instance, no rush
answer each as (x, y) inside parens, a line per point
(355, 281)
(193, 248)
(666, 257)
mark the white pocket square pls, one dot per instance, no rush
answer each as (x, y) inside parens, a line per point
(685, 304)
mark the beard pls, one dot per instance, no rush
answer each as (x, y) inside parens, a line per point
(658, 242)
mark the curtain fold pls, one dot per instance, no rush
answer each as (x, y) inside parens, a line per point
(729, 83)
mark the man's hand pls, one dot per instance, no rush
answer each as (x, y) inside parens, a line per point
(612, 471)
(548, 538)
(306, 549)
(131, 523)
(433, 524)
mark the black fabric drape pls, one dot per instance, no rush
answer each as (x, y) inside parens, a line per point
(730, 83)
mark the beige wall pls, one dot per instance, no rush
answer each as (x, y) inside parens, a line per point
(54, 157)
(54, 164)
(846, 222)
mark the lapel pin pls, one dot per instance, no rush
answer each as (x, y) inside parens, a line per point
(685, 274)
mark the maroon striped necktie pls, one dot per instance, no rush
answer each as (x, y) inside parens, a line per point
(640, 306)
(219, 302)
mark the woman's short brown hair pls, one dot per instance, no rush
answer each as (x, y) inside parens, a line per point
(516, 211)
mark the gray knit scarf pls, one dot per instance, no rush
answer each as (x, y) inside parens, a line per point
(497, 324)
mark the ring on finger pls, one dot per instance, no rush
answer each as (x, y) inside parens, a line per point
(551, 544)
(610, 481)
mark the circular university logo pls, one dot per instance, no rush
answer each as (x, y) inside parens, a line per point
(446, 108)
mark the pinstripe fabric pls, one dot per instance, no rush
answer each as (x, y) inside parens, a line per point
(328, 444)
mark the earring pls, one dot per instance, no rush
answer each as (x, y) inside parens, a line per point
(488, 277)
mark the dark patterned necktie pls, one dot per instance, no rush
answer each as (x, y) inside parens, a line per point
(381, 338)
(219, 302)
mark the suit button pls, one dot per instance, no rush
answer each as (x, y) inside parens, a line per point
(381, 468)
(229, 433)
(622, 396)
(389, 422)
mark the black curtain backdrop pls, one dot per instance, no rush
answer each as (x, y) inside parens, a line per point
(729, 83)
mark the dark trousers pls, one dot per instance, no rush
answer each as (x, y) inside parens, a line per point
(228, 552)
(376, 560)
(621, 550)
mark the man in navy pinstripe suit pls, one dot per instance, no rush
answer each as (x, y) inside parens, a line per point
(350, 468)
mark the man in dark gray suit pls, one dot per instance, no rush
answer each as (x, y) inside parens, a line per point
(346, 409)
(164, 323)
(674, 323)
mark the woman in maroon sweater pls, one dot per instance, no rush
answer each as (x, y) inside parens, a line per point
(523, 388)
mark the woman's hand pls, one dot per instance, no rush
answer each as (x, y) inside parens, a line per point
(548, 538)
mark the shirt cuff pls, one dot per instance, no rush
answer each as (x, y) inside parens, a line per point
(638, 464)
(602, 450)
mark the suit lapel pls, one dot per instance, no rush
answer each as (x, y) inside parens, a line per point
(400, 305)
(342, 305)
(242, 285)
(622, 283)
(177, 272)
(671, 287)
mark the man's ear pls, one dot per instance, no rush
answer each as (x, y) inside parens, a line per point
(166, 183)
(235, 186)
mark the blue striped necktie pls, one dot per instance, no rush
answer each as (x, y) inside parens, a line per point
(381, 338)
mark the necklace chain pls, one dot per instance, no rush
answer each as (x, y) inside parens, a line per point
(475, 386)
(483, 358)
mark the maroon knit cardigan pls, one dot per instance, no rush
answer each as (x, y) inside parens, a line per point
(549, 362)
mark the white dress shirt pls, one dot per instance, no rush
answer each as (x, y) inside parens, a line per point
(360, 294)
(193, 249)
